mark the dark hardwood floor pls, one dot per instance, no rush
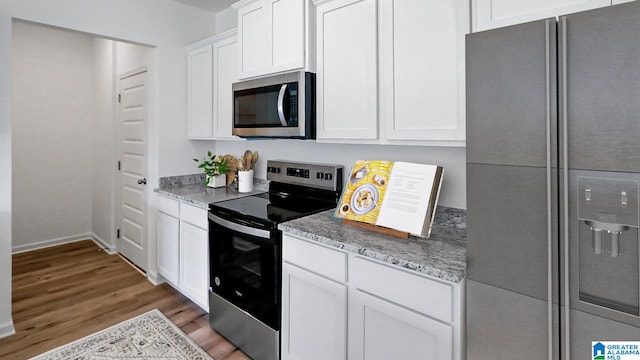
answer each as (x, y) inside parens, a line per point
(67, 292)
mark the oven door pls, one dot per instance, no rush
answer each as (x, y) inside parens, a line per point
(244, 264)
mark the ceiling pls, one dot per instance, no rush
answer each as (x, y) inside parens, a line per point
(213, 6)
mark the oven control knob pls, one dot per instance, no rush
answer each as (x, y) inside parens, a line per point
(319, 175)
(217, 281)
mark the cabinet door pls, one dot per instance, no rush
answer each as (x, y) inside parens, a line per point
(194, 263)
(422, 69)
(168, 229)
(347, 70)
(253, 38)
(287, 34)
(489, 14)
(200, 93)
(225, 73)
(314, 316)
(383, 330)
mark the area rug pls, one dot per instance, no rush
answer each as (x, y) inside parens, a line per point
(150, 336)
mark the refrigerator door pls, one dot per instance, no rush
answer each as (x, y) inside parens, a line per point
(599, 89)
(511, 202)
(602, 58)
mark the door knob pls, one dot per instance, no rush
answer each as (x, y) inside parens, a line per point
(142, 181)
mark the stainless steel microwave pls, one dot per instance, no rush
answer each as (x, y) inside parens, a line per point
(279, 106)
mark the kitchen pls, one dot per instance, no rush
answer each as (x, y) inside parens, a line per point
(173, 150)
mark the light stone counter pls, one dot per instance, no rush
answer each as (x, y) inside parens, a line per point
(443, 255)
(191, 189)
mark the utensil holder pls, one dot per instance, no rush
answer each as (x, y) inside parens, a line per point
(245, 181)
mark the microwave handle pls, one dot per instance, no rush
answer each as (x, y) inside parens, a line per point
(283, 90)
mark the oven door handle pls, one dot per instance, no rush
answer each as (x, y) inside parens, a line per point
(239, 227)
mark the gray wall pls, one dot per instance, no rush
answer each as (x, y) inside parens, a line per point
(52, 135)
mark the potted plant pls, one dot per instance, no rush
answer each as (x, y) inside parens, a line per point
(215, 168)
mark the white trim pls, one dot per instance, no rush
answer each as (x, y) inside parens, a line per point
(155, 279)
(111, 250)
(7, 329)
(64, 240)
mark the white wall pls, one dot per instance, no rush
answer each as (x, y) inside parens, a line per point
(103, 158)
(452, 159)
(226, 20)
(51, 112)
(166, 24)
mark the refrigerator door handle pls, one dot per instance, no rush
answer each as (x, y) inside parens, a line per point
(548, 80)
(565, 186)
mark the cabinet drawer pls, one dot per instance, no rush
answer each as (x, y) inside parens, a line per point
(194, 215)
(169, 206)
(315, 257)
(430, 297)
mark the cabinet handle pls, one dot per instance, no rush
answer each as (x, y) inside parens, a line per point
(142, 181)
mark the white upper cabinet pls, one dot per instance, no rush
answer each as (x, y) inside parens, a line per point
(212, 68)
(391, 71)
(422, 69)
(200, 92)
(225, 73)
(489, 14)
(273, 36)
(346, 82)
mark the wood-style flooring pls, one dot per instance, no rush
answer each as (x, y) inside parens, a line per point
(66, 292)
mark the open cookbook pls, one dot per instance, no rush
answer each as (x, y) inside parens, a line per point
(396, 195)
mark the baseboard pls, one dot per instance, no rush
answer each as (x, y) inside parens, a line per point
(66, 240)
(111, 250)
(7, 329)
(155, 279)
(52, 242)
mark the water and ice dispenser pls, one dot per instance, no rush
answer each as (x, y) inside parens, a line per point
(607, 220)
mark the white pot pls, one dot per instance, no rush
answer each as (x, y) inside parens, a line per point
(245, 181)
(216, 181)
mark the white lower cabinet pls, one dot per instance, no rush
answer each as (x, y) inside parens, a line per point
(339, 305)
(314, 325)
(194, 263)
(168, 247)
(381, 330)
(183, 248)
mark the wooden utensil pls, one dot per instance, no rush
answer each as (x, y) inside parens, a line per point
(241, 164)
(254, 159)
(247, 160)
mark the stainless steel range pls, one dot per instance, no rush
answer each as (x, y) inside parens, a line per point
(246, 253)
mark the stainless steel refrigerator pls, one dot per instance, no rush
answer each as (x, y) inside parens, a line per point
(553, 176)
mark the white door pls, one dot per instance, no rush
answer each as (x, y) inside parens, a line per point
(132, 242)
(347, 85)
(314, 316)
(380, 329)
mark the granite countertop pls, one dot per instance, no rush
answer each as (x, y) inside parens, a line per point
(443, 255)
(191, 189)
